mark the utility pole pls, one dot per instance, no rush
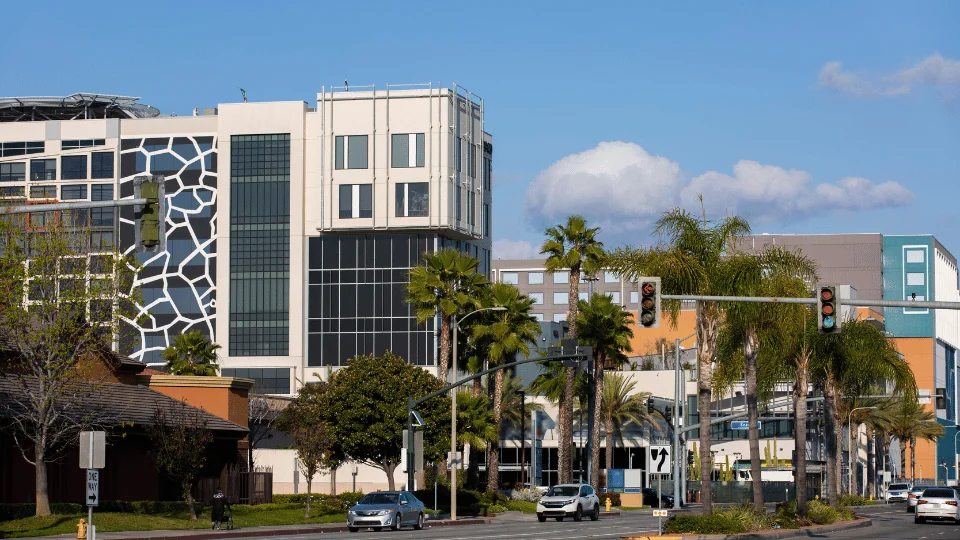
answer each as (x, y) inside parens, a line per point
(591, 402)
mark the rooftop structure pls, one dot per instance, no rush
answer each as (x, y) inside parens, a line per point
(80, 106)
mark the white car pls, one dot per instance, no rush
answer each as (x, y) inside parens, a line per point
(896, 492)
(573, 500)
(937, 503)
(914, 495)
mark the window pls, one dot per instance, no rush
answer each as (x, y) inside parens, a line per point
(73, 144)
(915, 256)
(561, 298)
(351, 152)
(356, 201)
(535, 278)
(634, 297)
(510, 278)
(457, 154)
(408, 150)
(610, 277)
(74, 167)
(583, 296)
(101, 165)
(537, 316)
(101, 192)
(12, 191)
(537, 298)
(486, 219)
(561, 277)
(472, 161)
(73, 192)
(43, 169)
(43, 192)
(8, 149)
(413, 200)
(487, 173)
(13, 172)
(471, 207)
(614, 296)
(559, 317)
(459, 203)
(102, 217)
(915, 278)
(265, 380)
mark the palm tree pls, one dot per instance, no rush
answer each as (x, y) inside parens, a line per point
(516, 413)
(619, 405)
(572, 247)
(475, 430)
(447, 283)
(690, 259)
(912, 421)
(192, 354)
(755, 330)
(507, 333)
(606, 327)
(877, 416)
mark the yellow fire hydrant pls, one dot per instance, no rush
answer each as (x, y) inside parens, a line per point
(82, 528)
(608, 504)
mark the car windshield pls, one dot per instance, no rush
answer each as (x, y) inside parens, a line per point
(899, 486)
(921, 488)
(379, 498)
(564, 491)
(939, 492)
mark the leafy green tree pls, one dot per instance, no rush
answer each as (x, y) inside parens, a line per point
(366, 409)
(572, 247)
(912, 421)
(752, 333)
(691, 259)
(179, 437)
(620, 405)
(447, 283)
(62, 299)
(606, 327)
(304, 419)
(192, 354)
(507, 334)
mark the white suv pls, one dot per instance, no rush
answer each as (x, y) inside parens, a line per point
(897, 492)
(573, 500)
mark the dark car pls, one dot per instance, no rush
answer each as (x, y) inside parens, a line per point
(650, 499)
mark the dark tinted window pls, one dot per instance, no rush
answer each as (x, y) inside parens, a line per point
(938, 492)
(74, 167)
(101, 165)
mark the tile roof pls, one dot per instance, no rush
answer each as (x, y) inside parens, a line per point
(130, 403)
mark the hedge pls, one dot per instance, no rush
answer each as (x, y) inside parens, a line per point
(24, 510)
(341, 501)
(712, 524)
(612, 495)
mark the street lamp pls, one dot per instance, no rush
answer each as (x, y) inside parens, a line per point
(453, 409)
(956, 457)
(679, 448)
(853, 453)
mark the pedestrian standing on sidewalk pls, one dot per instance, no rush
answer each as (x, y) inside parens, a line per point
(216, 509)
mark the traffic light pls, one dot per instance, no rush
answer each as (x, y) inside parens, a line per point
(150, 215)
(649, 312)
(650, 407)
(828, 309)
(668, 414)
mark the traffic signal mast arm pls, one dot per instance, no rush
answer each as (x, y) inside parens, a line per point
(859, 302)
(36, 208)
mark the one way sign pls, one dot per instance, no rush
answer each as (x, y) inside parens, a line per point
(93, 486)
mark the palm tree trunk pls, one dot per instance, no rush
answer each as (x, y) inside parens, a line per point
(564, 452)
(445, 322)
(750, 349)
(913, 461)
(800, 431)
(611, 444)
(598, 405)
(829, 409)
(706, 341)
(493, 447)
(903, 457)
(871, 461)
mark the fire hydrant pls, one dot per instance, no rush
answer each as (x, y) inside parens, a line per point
(82, 528)
(608, 504)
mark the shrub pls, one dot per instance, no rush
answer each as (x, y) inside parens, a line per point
(25, 510)
(855, 500)
(529, 495)
(822, 514)
(612, 495)
(496, 509)
(718, 523)
(746, 516)
(341, 502)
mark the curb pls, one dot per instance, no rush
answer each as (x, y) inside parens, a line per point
(761, 535)
(252, 532)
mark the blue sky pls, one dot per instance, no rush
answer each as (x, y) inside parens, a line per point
(614, 110)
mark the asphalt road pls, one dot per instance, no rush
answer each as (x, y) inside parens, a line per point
(894, 522)
(515, 527)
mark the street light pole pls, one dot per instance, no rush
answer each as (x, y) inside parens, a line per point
(956, 457)
(853, 452)
(453, 409)
(523, 430)
(679, 450)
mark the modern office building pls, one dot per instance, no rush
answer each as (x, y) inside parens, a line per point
(290, 227)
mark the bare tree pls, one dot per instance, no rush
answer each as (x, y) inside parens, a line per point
(61, 299)
(303, 420)
(263, 413)
(179, 437)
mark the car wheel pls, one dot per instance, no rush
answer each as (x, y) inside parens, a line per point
(376, 529)
(397, 520)
(918, 519)
(541, 518)
(596, 513)
(419, 525)
(559, 518)
(578, 515)
(353, 529)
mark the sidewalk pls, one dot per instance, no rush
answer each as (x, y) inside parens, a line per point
(278, 530)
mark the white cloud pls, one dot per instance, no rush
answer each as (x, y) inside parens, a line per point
(622, 188)
(514, 249)
(934, 71)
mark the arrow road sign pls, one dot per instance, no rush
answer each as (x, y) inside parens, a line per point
(93, 486)
(660, 462)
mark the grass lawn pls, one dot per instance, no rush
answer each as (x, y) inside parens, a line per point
(243, 516)
(522, 506)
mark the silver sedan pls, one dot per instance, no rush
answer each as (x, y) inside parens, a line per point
(381, 509)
